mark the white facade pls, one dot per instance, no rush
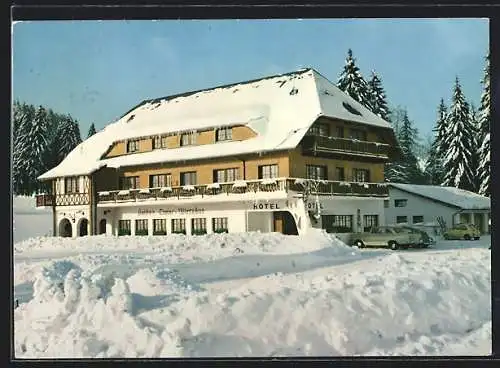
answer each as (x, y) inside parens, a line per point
(242, 213)
(415, 209)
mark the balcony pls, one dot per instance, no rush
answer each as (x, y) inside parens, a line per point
(283, 185)
(44, 200)
(328, 146)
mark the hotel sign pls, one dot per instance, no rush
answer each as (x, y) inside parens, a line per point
(163, 211)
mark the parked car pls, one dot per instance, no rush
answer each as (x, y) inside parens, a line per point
(462, 231)
(394, 237)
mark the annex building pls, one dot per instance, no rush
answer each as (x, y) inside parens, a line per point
(282, 153)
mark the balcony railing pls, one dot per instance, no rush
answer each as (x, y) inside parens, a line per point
(316, 143)
(44, 200)
(321, 187)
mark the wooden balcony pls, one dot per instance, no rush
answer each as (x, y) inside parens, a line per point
(44, 200)
(287, 185)
(333, 146)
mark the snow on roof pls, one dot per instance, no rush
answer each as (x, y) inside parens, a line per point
(279, 108)
(453, 196)
(336, 103)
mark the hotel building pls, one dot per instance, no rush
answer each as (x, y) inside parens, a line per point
(282, 153)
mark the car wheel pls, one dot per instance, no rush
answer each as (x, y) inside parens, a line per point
(466, 237)
(359, 244)
(477, 238)
(393, 245)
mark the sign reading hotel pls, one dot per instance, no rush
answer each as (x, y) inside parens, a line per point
(162, 211)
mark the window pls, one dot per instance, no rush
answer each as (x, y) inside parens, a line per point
(316, 172)
(370, 221)
(386, 203)
(339, 174)
(129, 182)
(188, 178)
(360, 175)
(319, 129)
(225, 175)
(400, 202)
(337, 223)
(401, 219)
(224, 134)
(219, 225)
(268, 171)
(123, 227)
(179, 226)
(159, 227)
(188, 139)
(133, 146)
(71, 185)
(418, 219)
(141, 227)
(159, 142)
(160, 180)
(358, 134)
(340, 132)
(198, 226)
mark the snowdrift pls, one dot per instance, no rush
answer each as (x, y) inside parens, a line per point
(341, 302)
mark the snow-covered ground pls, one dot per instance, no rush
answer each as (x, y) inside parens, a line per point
(29, 221)
(248, 295)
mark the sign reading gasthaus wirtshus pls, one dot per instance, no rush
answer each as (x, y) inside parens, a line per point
(264, 156)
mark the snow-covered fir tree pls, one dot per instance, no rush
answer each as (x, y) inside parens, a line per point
(406, 168)
(484, 134)
(476, 144)
(352, 82)
(460, 143)
(92, 130)
(67, 138)
(434, 168)
(377, 97)
(31, 146)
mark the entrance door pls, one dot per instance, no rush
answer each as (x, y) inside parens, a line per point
(84, 227)
(278, 222)
(102, 226)
(284, 223)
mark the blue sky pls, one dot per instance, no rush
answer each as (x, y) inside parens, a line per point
(97, 70)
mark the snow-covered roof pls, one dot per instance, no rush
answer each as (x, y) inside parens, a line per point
(452, 196)
(279, 108)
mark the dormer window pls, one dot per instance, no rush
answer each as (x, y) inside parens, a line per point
(159, 142)
(133, 146)
(188, 139)
(223, 134)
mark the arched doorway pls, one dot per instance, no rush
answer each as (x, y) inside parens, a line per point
(102, 226)
(65, 229)
(83, 228)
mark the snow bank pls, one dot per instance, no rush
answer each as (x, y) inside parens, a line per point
(28, 221)
(375, 303)
(211, 246)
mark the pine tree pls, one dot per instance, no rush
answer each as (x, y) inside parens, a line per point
(352, 82)
(20, 176)
(406, 168)
(31, 146)
(484, 134)
(434, 169)
(476, 144)
(91, 130)
(459, 143)
(67, 138)
(377, 97)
